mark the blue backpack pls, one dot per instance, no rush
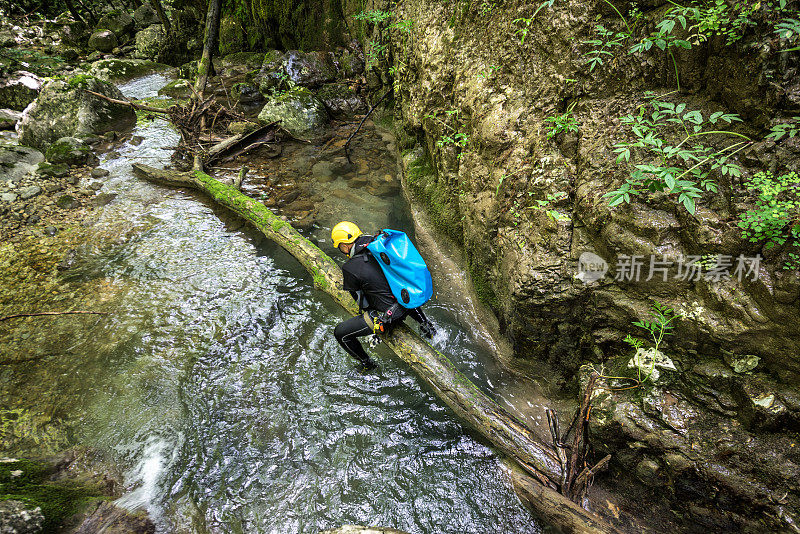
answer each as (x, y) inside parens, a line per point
(408, 276)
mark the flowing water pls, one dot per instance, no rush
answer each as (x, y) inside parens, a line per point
(216, 383)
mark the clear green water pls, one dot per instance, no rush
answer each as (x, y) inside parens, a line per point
(215, 381)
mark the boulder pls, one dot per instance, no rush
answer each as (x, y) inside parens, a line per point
(111, 519)
(65, 109)
(310, 69)
(242, 62)
(16, 162)
(9, 118)
(299, 111)
(144, 16)
(149, 41)
(118, 22)
(177, 89)
(69, 150)
(341, 100)
(245, 93)
(103, 41)
(17, 517)
(19, 90)
(7, 39)
(123, 69)
(74, 33)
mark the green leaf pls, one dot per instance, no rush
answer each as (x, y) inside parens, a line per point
(682, 44)
(688, 203)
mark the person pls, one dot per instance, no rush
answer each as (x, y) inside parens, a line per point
(364, 279)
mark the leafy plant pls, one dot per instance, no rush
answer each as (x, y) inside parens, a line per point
(565, 122)
(660, 326)
(608, 40)
(375, 51)
(789, 29)
(486, 7)
(453, 137)
(487, 73)
(526, 23)
(776, 216)
(682, 169)
(404, 26)
(374, 17)
(547, 204)
(778, 131)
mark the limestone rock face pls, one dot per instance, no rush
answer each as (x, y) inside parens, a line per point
(299, 111)
(149, 41)
(19, 90)
(525, 206)
(65, 109)
(103, 41)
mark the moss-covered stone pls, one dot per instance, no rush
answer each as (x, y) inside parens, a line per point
(299, 111)
(124, 69)
(68, 150)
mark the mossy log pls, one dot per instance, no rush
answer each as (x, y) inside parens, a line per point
(469, 403)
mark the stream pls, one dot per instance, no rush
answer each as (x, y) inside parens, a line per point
(215, 382)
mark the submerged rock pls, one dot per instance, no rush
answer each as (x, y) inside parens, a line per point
(65, 109)
(19, 90)
(298, 110)
(17, 517)
(103, 41)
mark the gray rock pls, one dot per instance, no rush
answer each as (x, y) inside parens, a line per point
(144, 16)
(48, 169)
(341, 100)
(51, 230)
(118, 22)
(108, 518)
(70, 54)
(177, 89)
(69, 150)
(99, 173)
(66, 202)
(9, 118)
(103, 41)
(123, 69)
(8, 197)
(149, 41)
(310, 69)
(16, 162)
(64, 109)
(19, 90)
(19, 518)
(96, 186)
(298, 110)
(29, 192)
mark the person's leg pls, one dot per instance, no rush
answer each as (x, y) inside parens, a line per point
(426, 327)
(347, 334)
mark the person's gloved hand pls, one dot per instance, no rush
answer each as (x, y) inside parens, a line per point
(427, 330)
(374, 340)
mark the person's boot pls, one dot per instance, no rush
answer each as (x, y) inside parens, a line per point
(368, 364)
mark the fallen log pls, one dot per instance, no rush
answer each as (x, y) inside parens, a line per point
(474, 407)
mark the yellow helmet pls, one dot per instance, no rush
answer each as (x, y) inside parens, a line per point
(345, 232)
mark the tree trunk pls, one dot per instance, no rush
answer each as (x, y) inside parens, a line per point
(74, 12)
(209, 46)
(470, 404)
(162, 16)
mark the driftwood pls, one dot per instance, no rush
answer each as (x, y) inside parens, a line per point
(363, 120)
(239, 144)
(471, 405)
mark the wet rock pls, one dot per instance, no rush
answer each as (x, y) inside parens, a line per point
(103, 41)
(18, 161)
(103, 199)
(19, 90)
(68, 150)
(349, 63)
(241, 127)
(358, 529)
(123, 69)
(341, 100)
(357, 181)
(29, 192)
(246, 93)
(74, 33)
(298, 110)
(66, 202)
(648, 472)
(149, 41)
(341, 166)
(118, 22)
(323, 172)
(8, 197)
(65, 109)
(310, 69)
(69, 260)
(177, 89)
(99, 173)
(18, 518)
(56, 171)
(96, 186)
(70, 54)
(241, 62)
(110, 519)
(9, 118)
(51, 231)
(144, 16)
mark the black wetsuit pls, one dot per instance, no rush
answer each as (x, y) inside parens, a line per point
(365, 281)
